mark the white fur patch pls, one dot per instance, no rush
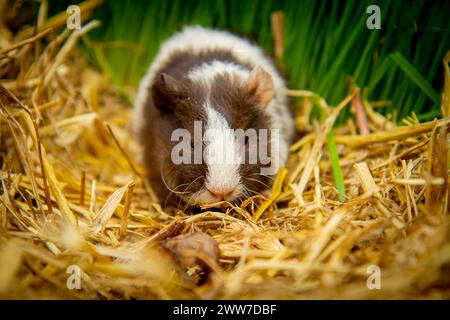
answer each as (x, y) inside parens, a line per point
(206, 72)
(222, 153)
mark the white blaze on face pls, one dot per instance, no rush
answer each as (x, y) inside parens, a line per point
(222, 153)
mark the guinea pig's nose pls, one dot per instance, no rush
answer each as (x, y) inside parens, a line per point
(221, 193)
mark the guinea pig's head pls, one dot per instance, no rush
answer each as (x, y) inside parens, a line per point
(218, 132)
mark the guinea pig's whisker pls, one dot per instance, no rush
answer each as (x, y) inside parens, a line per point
(190, 184)
(162, 176)
(185, 191)
(262, 175)
(174, 192)
(188, 204)
(248, 191)
(179, 186)
(165, 183)
(239, 200)
(256, 180)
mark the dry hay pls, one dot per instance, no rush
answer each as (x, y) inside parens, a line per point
(72, 194)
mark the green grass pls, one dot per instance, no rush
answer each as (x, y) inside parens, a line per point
(336, 167)
(328, 48)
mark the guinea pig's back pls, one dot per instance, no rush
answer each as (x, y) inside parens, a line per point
(194, 41)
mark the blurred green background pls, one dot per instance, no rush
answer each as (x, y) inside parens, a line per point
(328, 47)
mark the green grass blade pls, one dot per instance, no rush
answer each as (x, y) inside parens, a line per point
(337, 171)
(415, 76)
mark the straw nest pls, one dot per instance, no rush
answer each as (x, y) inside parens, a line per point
(73, 198)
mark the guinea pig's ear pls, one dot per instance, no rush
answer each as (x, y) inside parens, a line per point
(165, 90)
(260, 85)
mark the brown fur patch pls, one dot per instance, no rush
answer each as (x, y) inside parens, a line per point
(176, 102)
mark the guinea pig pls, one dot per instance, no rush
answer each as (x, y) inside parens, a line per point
(204, 86)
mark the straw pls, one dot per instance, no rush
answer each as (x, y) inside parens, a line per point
(72, 194)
